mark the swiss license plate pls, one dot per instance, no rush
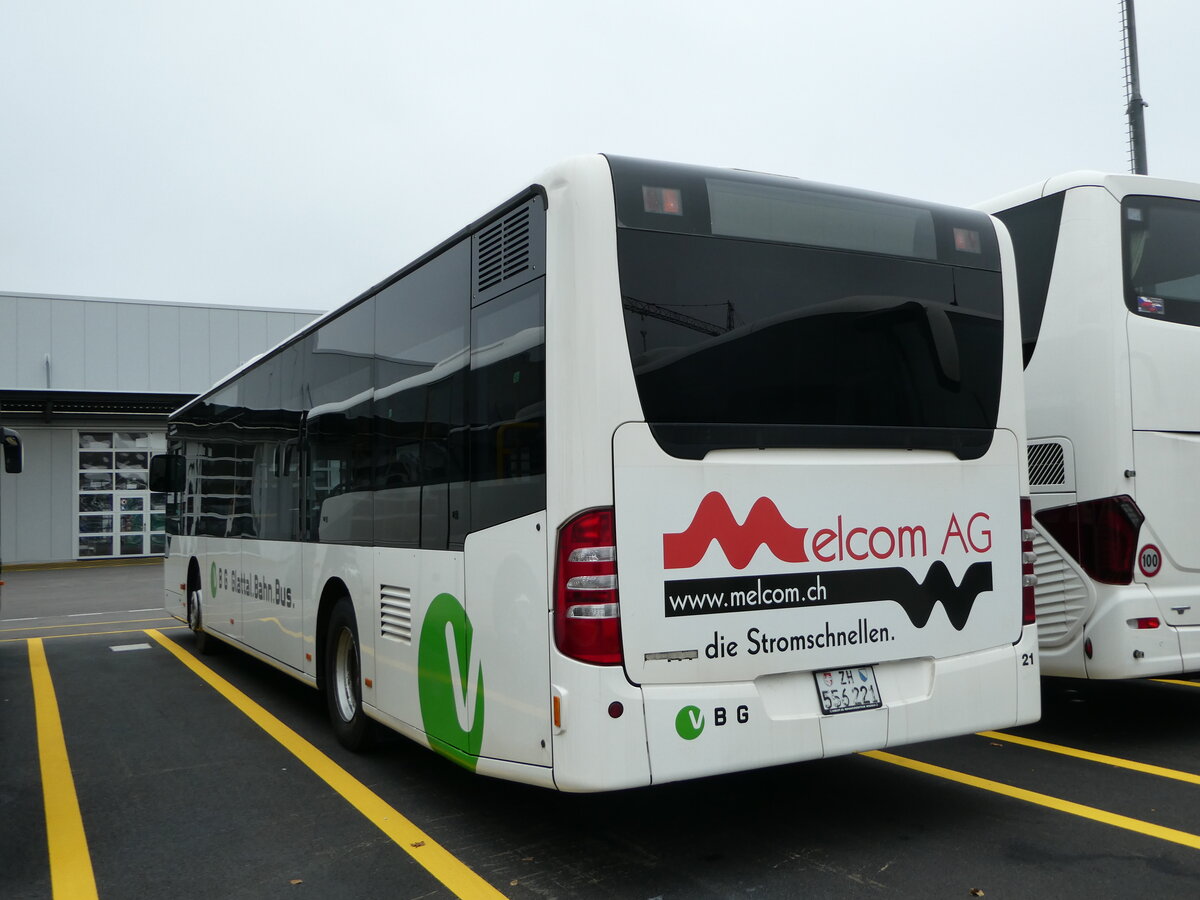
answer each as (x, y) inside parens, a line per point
(848, 690)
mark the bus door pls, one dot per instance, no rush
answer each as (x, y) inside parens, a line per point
(1162, 294)
(274, 603)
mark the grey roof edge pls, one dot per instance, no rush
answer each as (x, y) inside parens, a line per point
(192, 304)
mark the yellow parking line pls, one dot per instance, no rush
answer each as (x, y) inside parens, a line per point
(439, 862)
(1193, 684)
(1117, 761)
(70, 863)
(1075, 809)
(51, 637)
(91, 624)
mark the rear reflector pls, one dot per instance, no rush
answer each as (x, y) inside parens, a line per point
(587, 614)
(1145, 622)
(1100, 535)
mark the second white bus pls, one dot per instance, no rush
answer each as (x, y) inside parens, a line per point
(653, 472)
(1109, 271)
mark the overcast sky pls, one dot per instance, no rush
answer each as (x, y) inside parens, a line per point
(291, 153)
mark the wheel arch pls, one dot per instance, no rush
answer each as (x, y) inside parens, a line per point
(333, 591)
(193, 575)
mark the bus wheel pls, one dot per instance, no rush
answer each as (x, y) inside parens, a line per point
(204, 643)
(343, 678)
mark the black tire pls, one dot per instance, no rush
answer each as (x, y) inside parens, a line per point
(205, 643)
(343, 679)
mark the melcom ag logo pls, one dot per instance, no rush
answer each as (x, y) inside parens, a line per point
(450, 682)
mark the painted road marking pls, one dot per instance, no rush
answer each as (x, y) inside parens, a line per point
(121, 648)
(1075, 809)
(1117, 761)
(70, 863)
(161, 618)
(439, 862)
(81, 615)
(50, 637)
(1191, 684)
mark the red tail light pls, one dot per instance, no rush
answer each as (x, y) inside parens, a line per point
(587, 614)
(1028, 558)
(1101, 535)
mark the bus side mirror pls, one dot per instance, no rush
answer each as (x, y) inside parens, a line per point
(14, 454)
(168, 473)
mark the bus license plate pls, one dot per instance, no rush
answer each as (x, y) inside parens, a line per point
(848, 690)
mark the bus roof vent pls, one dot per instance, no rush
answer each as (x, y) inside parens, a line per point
(508, 252)
(1050, 466)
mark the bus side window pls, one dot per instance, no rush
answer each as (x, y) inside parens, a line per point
(508, 407)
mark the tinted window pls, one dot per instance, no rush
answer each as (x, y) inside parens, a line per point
(421, 327)
(338, 373)
(508, 407)
(752, 344)
(1034, 231)
(1162, 258)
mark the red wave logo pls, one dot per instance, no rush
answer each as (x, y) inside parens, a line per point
(714, 521)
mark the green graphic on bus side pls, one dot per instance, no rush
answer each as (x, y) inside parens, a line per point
(212, 579)
(689, 722)
(450, 682)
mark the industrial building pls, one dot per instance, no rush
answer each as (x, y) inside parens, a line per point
(89, 383)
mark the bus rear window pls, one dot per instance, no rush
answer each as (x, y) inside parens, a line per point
(749, 344)
(763, 311)
(1162, 258)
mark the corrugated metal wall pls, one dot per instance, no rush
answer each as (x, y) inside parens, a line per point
(80, 344)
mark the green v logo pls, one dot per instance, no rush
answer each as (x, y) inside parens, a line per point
(450, 682)
(464, 702)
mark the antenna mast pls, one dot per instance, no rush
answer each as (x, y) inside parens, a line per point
(1135, 108)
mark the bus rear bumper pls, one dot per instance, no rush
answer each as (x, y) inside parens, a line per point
(699, 730)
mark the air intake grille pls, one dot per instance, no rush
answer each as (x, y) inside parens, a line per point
(503, 250)
(1046, 465)
(395, 613)
(1061, 596)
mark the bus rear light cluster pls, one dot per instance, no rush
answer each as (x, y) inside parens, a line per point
(1028, 558)
(1100, 535)
(1145, 622)
(587, 612)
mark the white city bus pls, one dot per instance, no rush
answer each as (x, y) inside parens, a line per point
(651, 473)
(1109, 275)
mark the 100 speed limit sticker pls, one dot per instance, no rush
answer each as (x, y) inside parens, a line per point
(1149, 560)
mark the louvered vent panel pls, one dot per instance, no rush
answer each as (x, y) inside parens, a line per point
(1061, 595)
(395, 613)
(503, 250)
(1046, 465)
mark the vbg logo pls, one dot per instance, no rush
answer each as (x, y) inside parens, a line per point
(689, 723)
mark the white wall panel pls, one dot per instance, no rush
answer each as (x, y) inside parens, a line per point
(100, 347)
(162, 353)
(68, 367)
(252, 334)
(33, 343)
(223, 347)
(133, 340)
(8, 340)
(195, 363)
